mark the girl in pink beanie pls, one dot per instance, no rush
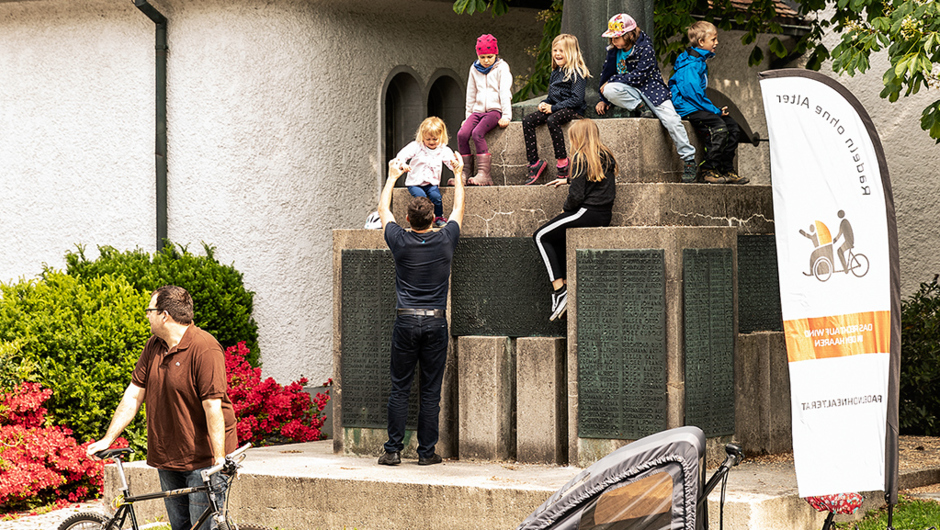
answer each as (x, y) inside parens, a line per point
(489, 103)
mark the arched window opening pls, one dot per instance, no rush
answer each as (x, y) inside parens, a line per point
(446, 100)
(404, 111)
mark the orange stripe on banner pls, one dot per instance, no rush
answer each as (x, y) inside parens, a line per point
(838, 335)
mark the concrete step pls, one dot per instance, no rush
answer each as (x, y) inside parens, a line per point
(307, 487)
(517, 211)
(642, 147)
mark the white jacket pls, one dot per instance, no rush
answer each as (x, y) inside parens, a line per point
(425, 163)
(492, 91)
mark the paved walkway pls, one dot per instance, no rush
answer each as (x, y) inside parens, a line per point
(51, 520)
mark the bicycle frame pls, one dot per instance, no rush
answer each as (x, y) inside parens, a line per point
(127, 504)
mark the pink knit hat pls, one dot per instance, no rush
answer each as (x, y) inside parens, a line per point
(486, 45)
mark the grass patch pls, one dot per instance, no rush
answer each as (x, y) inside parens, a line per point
(909, 514)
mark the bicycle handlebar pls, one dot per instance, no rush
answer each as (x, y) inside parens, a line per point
(230, 464)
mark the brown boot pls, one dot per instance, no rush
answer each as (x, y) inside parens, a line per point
(483, 177)
(467, 169)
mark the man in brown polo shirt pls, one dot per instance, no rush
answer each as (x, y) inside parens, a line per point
(190, 420)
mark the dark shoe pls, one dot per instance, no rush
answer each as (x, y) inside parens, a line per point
(559, 303)
(563, 171)
(688, 171)
(712, 177)
(642, 111)
(535, 171)
(733, 178)
(439, 222)
(390, 459)
(429, 461)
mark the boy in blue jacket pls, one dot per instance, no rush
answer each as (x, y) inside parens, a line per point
(718, 129)
(630, 78)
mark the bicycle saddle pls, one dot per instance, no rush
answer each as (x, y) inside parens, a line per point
(108, 453)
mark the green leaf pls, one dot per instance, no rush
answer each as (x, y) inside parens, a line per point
(756, 57)
(777, 47)
(460, 6)
(901, 66)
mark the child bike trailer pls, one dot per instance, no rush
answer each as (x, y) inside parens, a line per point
(655, 483)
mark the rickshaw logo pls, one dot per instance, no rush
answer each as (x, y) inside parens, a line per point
(821, 263)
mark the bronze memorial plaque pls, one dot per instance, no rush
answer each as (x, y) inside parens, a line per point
(499, 287)
(368, 316)
(708, 309)
(758, 285)
(621, 299)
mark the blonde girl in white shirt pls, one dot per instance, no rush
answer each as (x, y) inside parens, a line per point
(422, 159)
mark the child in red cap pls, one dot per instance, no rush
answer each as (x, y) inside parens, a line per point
(489, 103)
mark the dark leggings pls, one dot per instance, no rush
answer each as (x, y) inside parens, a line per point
(551, 240)
(720, 136)
(554, 120)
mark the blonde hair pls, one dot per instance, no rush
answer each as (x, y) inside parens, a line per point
(629, 38)
(588, 151)
(574, 61)
(698, 31)
(432, 126)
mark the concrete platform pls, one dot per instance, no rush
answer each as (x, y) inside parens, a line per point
(307, 487)
(517, 211)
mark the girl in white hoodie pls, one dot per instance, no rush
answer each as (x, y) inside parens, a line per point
(489, 103)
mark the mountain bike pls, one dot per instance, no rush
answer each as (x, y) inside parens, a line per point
(124, 517)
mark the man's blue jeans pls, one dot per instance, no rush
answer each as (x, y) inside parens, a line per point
(417, 340)
(185, 510)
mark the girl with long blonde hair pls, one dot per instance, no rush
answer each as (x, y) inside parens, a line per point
(591, 193)
(564, 102)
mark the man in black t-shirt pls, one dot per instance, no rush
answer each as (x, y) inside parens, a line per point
(422, 269)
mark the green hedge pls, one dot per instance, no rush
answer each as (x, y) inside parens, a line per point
(80, 339)
(920, 361)
(222, 305)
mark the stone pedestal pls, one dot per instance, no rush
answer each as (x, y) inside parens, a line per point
(684, 356)
(541, 410)
(486, 373)
(762, 387)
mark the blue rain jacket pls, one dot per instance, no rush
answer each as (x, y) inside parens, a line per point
(689, 81)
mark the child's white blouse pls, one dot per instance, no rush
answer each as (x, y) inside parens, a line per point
(425, 163)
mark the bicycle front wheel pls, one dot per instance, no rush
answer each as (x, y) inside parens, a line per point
(84, 521)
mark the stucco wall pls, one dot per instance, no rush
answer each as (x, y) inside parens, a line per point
(273, 132)
(76, 131)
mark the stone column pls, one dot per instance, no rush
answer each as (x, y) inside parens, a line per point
(587, 19)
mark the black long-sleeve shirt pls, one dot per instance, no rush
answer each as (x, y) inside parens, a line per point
(593, 195)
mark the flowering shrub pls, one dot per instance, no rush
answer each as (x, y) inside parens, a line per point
(266, 411)
(80, 338)
(41, 464)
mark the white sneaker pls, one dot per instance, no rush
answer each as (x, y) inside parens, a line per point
(559, 304)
